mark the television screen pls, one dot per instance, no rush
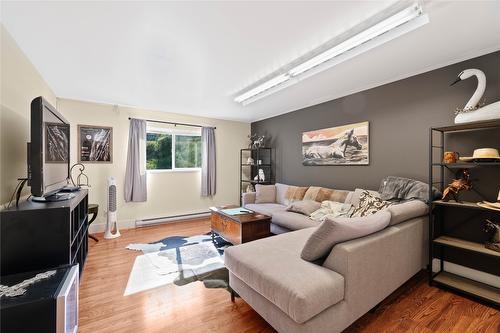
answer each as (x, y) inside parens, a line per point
(49, 149)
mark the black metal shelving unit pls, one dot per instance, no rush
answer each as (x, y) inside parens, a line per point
(448, 222)
(249, 170)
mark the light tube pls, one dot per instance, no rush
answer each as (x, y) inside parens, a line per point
(364, 36)
(344, 50)
(263, 87)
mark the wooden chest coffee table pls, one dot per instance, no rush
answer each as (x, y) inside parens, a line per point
(238, 229)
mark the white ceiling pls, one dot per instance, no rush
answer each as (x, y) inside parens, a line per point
(192, 57)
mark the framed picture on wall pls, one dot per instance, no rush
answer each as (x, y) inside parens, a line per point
(341, 145)
(95, 144)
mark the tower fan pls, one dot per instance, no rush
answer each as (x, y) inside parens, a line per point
(111, 223)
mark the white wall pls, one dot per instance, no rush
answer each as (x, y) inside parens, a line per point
(20, 83)
(169, 193)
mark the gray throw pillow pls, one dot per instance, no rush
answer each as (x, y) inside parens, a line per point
(265, 194)
(306, 207)
(338, 230)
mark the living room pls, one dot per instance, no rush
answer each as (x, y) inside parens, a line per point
(216, 166)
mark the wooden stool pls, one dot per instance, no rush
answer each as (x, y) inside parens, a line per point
(93, 209)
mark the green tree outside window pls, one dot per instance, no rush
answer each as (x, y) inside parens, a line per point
(187, 151)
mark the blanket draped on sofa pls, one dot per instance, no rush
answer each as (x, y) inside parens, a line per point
(395, 188)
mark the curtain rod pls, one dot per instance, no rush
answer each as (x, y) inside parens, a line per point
(170, 122)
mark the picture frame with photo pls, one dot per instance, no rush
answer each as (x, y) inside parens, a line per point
(95, 144)
(340, 145)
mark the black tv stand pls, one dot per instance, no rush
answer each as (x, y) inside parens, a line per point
(43, 235)
(54, 197)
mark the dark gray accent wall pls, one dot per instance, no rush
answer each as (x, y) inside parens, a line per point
(400, 115)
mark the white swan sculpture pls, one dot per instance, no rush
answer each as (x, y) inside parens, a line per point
(472, 112)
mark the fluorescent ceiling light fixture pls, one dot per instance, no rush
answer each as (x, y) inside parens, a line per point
(262, 87)
(403, 21)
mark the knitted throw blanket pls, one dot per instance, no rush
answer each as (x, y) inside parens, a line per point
(403, 189)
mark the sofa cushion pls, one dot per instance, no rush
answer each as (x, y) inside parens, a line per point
(266, 208)
(265, 193)
(294, 193)
(273, 268)
(281, 190)
(304, 207)
(247, 198)
(369, 204)
(338, 230)
(293, 221)
(338, 195)
(321, 194)
(407, 210)
(277, 229)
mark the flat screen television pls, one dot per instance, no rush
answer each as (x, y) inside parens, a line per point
(48, 152)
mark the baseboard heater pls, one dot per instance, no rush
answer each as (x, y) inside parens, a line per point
(170, 219)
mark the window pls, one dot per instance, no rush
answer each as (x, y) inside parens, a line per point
(158, 151)
(168, 149)
(187, 151)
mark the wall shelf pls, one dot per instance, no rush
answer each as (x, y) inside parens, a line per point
(473, 288)
(256, 165)
(255, 182)
(463, 204)
(465, 245)
(480, 125)
(469, 165)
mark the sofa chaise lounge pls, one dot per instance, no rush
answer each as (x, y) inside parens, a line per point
(295, 295)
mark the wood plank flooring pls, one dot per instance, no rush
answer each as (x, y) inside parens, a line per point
(415, 307)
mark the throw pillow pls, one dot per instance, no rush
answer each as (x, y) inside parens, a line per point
(265, 193)
(332, 209)
(321, 194)
(305, 207)
(338, 230)
(338, 195)
(281, 190)
(357, 192)
(312, 193)
(369, 204)
(294, 193)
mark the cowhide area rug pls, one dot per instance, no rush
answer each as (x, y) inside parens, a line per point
(179, 260)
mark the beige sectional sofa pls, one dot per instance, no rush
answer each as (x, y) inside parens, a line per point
(294, 295)
(283, 221)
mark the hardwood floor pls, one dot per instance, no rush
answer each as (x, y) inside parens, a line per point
(415, 307)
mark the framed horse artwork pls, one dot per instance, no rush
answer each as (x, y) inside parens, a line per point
(341, 145)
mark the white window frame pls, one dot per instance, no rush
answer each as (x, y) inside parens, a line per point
(173, 132)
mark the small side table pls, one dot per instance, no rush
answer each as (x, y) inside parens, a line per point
(93, 209)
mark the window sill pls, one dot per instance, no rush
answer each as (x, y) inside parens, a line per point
(174, 170)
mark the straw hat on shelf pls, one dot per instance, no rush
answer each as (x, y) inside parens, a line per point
(483, 155)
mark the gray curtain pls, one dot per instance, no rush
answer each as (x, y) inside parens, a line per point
(207, 161)
(135, 175)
